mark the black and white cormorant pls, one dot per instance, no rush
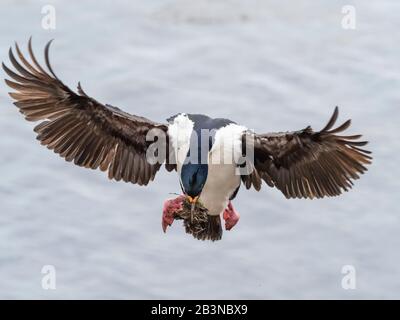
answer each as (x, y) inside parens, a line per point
(301, 164)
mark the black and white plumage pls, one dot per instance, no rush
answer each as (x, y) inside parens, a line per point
(301, 164)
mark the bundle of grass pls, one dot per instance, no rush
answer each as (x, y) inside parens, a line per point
(198, 222)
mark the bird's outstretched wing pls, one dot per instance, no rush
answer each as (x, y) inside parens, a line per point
(79, 128)
(308, 164)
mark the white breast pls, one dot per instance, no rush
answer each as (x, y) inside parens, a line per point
(220, 185)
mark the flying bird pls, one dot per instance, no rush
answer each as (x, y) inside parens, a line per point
(301, 164)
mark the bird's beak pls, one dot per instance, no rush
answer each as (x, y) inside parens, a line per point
(192, 200)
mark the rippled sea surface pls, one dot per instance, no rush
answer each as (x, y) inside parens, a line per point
(270, 65)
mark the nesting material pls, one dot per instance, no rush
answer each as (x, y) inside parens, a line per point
(199, 223)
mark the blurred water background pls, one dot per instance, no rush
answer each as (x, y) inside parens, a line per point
(271, 65)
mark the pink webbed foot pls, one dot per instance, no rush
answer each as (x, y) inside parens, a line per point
(170, 209)
(231, 216)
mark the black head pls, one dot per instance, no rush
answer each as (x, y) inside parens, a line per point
(193, 177)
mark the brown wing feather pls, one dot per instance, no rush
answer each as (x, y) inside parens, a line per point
(308, 164)
(76, 126)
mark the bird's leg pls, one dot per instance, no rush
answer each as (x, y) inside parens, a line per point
(170, 209)
(231, 216)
